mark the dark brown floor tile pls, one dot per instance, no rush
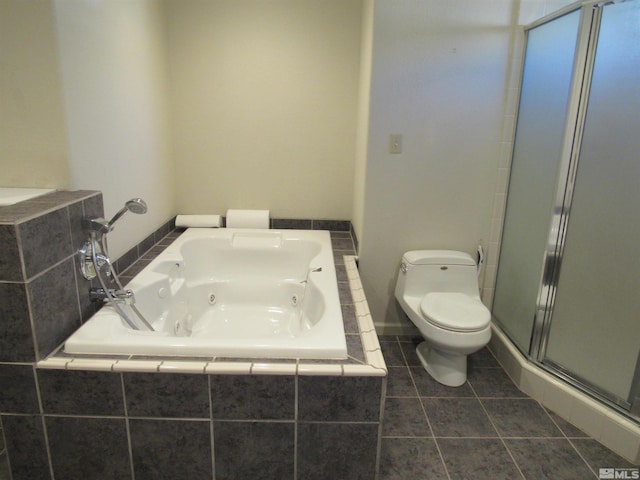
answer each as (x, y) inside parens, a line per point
(477, 458)
(493, 382)
(399, 383)
(548, 459)
(458, 417)
(428, 387)
(520, 418)
(410, 458)
(404, 417)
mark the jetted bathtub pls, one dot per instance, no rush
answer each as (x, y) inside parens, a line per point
(229, 293)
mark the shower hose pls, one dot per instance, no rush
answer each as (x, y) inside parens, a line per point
(110, 297)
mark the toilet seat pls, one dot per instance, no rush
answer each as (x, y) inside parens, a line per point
(455, 311)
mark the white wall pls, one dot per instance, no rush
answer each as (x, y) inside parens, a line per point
(264, 105)
(113, 74)
(284, 105)
(439, 78)
(33, 147)
(364, 95)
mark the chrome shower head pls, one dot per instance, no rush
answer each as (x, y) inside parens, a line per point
(135, 205)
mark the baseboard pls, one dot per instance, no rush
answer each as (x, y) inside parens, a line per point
(396, 329)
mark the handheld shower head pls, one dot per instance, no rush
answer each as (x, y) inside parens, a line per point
(94, 254)
(135, 205)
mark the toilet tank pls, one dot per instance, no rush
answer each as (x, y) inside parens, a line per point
(424, 271)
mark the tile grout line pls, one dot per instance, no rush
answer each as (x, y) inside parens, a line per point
(580, 454)
(211, 430)
(127, 426)
(497, 431)
(559, 434)
(569, 439)
(296, 420)
(42, 421)
(424, 411)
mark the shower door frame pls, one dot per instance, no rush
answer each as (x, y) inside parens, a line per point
(584, 60)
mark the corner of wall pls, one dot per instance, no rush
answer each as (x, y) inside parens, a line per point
(364, 96)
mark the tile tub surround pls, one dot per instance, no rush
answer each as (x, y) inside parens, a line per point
(40, 302)
(150, 410)
(43, 298)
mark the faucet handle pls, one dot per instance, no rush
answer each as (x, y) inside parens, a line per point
(121, 296)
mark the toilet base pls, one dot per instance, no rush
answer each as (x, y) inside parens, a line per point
(445, 368)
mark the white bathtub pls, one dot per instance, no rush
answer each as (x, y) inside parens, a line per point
(229, 293)
(12, 195)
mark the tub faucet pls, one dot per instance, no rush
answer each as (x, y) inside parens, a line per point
(94, 257)
(120, 296)
(96, 229)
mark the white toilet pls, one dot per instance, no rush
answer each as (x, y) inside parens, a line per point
(438, 290)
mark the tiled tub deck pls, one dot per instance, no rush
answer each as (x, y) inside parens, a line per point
(212, 417)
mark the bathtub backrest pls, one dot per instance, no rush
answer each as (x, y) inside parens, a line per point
(241, 256)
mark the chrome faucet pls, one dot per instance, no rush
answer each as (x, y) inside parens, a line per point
(120, 296)
(96, 228)
(94, 257)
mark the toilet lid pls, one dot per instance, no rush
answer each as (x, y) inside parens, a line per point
(455, 311)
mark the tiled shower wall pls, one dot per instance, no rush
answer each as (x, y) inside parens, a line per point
(68, 424)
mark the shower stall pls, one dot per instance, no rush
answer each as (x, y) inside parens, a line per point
(567, 290)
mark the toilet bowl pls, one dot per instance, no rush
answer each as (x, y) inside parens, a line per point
(438, 290)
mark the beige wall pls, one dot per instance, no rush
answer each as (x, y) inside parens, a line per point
(440, 79)
(283, 105)
(113, 74)
(364, 94)
(33, 150)
(446, 76)
(264, 105)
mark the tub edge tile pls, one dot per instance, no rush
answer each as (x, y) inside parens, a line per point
(136, 366)
(375, 359)
(54, 363)
(369, 341)
(273, 368)
(353, 370)
(309, 369)
(90, 364)
(236, 368)
(176, 366)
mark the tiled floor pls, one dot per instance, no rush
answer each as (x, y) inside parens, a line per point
(485, 429)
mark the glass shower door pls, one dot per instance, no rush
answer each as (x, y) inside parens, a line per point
(538, 145)
(595, 329)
